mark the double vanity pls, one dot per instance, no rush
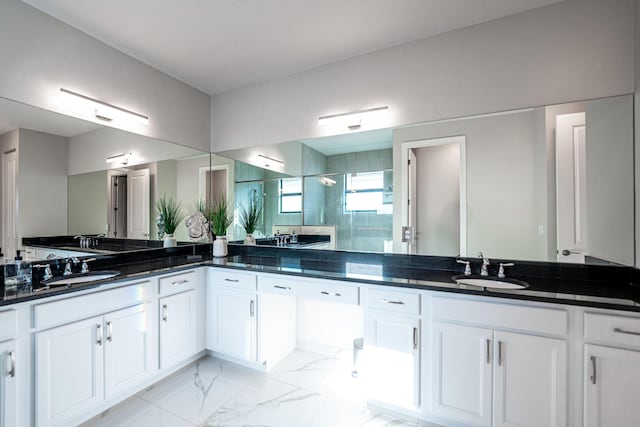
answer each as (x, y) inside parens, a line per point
(562, 351)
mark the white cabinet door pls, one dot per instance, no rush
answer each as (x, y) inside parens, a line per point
(612, 387)
(392, 358)
(177, 328)
(461, 377)
(233, 325)
(530, 381)
(69, 370)
(8, 384)
(127, 349)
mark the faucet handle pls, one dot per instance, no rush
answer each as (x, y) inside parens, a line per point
(85, 265)
(467, 266)
(501, 268)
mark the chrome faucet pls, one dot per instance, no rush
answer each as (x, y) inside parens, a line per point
(484, 270)
(501, 269)
(68, 270)
(85, 265)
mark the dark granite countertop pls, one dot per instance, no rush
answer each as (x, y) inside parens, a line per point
(603, 287)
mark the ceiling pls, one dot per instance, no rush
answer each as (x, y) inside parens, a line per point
(221, 45)
(379, 139)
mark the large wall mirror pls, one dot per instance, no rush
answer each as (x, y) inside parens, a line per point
(65, 176)
(550, 183)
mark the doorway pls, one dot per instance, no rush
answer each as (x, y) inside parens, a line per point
(435, 201)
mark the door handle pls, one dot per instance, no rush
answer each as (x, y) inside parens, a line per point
(567, 252)
(624, 331)
(386, 301)
(287, 288)
(164, 312)
(488, 351)
(109, 331)
(499, 353)
(180, 282)
(334, 294)
(415, 338)
(593, 370)
(99, 334)
(251, 308)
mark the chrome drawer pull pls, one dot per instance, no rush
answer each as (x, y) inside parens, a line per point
(488, 351)
(252, 309)
(164, 312)
(386, 301)
(334, 294)
(287, 288)
(99, 334)
(624, 331)
(226, 279)
(12, 358)
(415, 338)
(180, 282)
(593, 370)
(499, 353)
(109, 332)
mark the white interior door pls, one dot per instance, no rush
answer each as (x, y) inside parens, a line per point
(138, 200)
(9, 202)
(571, 187)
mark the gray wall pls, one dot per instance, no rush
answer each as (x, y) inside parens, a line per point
(42, 54)
(88, 203)
(573, 50)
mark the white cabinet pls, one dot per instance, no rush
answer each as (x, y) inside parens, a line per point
(461, 379)
(8, 384)
(392, 347)
(69, 370)
(482, 377)
(611, 387)
(232, 315)
(178, 328)
(80, 364)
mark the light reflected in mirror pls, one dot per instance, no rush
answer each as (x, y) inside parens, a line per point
(74, 177)
(552, 183)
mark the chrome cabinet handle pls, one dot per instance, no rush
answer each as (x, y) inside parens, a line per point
(387, 301)
(488, 351)
(624, 331)
(251, 308)
(593, 370)
(499, 353)
(12, 359)
(287, 288)
(109, 331)
(164, 312)
(415, 338)
(180, 282)
(99, 334)
(334, 294)
(226, 279)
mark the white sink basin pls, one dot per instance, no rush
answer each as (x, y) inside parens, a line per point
(75, 279)
(491, 283)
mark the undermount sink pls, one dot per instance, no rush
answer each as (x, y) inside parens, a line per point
(490, 282)
(74, 279)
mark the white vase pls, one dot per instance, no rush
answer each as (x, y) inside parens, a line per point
(249, 239)
(169, 241)
(220, 246)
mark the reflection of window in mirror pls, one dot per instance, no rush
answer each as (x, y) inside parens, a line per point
(364, 192)
(291, 195)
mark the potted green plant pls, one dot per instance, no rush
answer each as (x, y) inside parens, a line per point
(221, 217)
(250, 217)
(170, 214)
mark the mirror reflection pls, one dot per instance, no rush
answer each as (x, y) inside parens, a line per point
(551, 183)
(64, 176)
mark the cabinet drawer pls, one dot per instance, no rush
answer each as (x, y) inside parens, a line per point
(236, 279)
(393, 300)
(609, 329)
(327, 291)
(8, 324)
(278, 285)
(176, 283)
(72, 309)
(539, 320)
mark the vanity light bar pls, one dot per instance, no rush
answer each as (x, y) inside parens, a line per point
(352, 119)
(280, 162)
(123, 158)
(105, 111)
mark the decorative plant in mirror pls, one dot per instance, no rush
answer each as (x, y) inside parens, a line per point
(250, 217)
(170, 215)
(221, 218)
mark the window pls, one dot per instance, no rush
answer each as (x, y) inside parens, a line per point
(364, 192)
(291, 195)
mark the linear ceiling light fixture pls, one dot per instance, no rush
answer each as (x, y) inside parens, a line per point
(352, 119)
(270, 159)
(103, 110)
(123, 158)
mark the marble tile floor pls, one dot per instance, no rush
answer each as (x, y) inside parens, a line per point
(305, 389)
